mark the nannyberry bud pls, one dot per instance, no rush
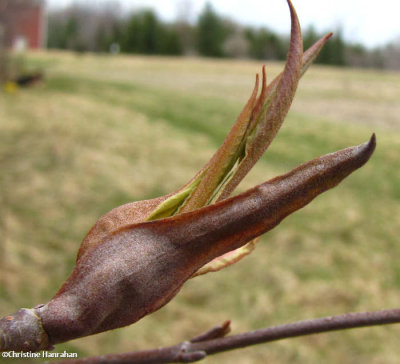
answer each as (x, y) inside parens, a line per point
(137, 257)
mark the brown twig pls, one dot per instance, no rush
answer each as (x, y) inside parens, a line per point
(195, 350)
(214, 333)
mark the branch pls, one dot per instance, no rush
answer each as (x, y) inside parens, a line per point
(213, 341)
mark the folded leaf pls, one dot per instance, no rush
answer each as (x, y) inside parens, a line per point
(227, 259)
(220, 176)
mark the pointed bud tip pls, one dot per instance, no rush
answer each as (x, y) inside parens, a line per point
(371, 144)
(365, 150)
(292, 12)
(373, 139)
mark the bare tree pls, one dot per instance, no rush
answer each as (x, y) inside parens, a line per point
(236, 45)
(391, 55)
(84, 26)
(183, 26)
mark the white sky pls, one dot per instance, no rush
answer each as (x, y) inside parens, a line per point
(369, 22)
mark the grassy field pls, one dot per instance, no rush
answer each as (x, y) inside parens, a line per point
(102, 131)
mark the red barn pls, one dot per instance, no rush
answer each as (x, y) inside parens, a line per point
(24, 23)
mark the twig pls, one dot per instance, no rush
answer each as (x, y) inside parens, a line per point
(214, 333)
(195, 350)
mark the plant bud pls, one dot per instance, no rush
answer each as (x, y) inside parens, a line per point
(138, 269)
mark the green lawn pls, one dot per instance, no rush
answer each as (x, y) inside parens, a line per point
(102, 131)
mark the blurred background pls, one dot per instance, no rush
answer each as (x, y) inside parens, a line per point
(103, 103)
(366, 35)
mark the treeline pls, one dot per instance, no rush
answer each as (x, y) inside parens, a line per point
(83, 28)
